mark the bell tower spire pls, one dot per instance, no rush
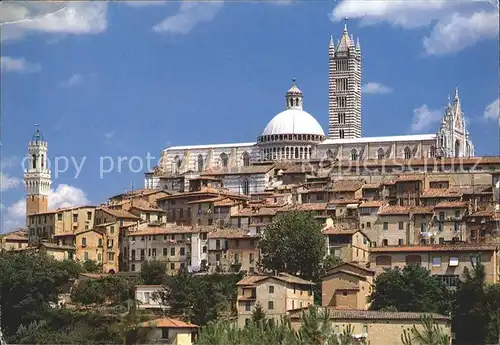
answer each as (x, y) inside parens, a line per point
(37, 175)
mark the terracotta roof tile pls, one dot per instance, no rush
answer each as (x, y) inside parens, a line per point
(394, 210)
(339, 231)
(452, 204)
(144, 205)
(232, 233)
(167, 322)
(373, 203)
(421, 210)
(16, 235)
(119, 213)
(347, 185)
(285, 277)
(352, 314)
(441, 193)
(165, 230)
(435, 248)
(372, 185)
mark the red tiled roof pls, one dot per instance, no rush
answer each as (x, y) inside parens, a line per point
(167, 322)
(441, 193)
(232, 233)
(119, 213)
(394, 210)
(452, 204)
(285, 277)
(347, 185)
(373, 203)
(436, 248)
(354, 314)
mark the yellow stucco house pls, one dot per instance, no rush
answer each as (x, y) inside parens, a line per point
(170, 331)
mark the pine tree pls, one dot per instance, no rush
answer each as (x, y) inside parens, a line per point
(258, 314)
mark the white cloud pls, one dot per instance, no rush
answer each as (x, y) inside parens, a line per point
(63, 196)
(492, 110)
(455, 24)
(75, 80)
(189, 15)
(8, 182)
(373, 88)
(460, 31)
(20, 65)
(423, 118)
(109, 135)
(17, 18)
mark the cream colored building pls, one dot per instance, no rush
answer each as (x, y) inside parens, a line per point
(233, 250)
(350, 245)
(170, 331)
(375, 327)
(47, 225)
(445, 261)
(16, 239)
(180, 247)
(347, 286)
(277, 294)
(58, 252)
(147, 297)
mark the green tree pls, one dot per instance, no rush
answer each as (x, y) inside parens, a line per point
(476, 316)
(199, 299)
(492, 309)
(293, 243)
(153, 272)
(29, 282)
(431, 334)
(258, 314)
(410, 289)
(91, 266)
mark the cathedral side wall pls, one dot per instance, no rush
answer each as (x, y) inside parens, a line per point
(211, 157)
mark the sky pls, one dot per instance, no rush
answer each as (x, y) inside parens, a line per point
(111, 84)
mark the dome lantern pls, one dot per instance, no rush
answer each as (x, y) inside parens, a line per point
(294, 97)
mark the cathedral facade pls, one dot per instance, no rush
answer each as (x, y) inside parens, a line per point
(295, 135)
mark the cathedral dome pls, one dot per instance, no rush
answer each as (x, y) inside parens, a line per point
(293, 121)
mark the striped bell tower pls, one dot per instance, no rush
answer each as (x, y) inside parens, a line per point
(344, 88)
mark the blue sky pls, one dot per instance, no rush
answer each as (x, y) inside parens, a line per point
(128, 79)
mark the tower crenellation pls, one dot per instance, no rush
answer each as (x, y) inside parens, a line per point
(344, 87)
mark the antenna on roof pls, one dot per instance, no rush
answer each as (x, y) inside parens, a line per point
(131, 193)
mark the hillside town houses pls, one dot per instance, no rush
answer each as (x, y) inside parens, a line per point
(382, 202)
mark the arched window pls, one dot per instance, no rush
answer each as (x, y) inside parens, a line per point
(224, 160)
(329, 155)
(296, 153)
(42, 161)
(200, 163)
(354, 155)
(246, 159)
(177, 164)
(432, 151)
(245, 186)
(34, 161)
(380, 153)
(407, 153)
(341, 134)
